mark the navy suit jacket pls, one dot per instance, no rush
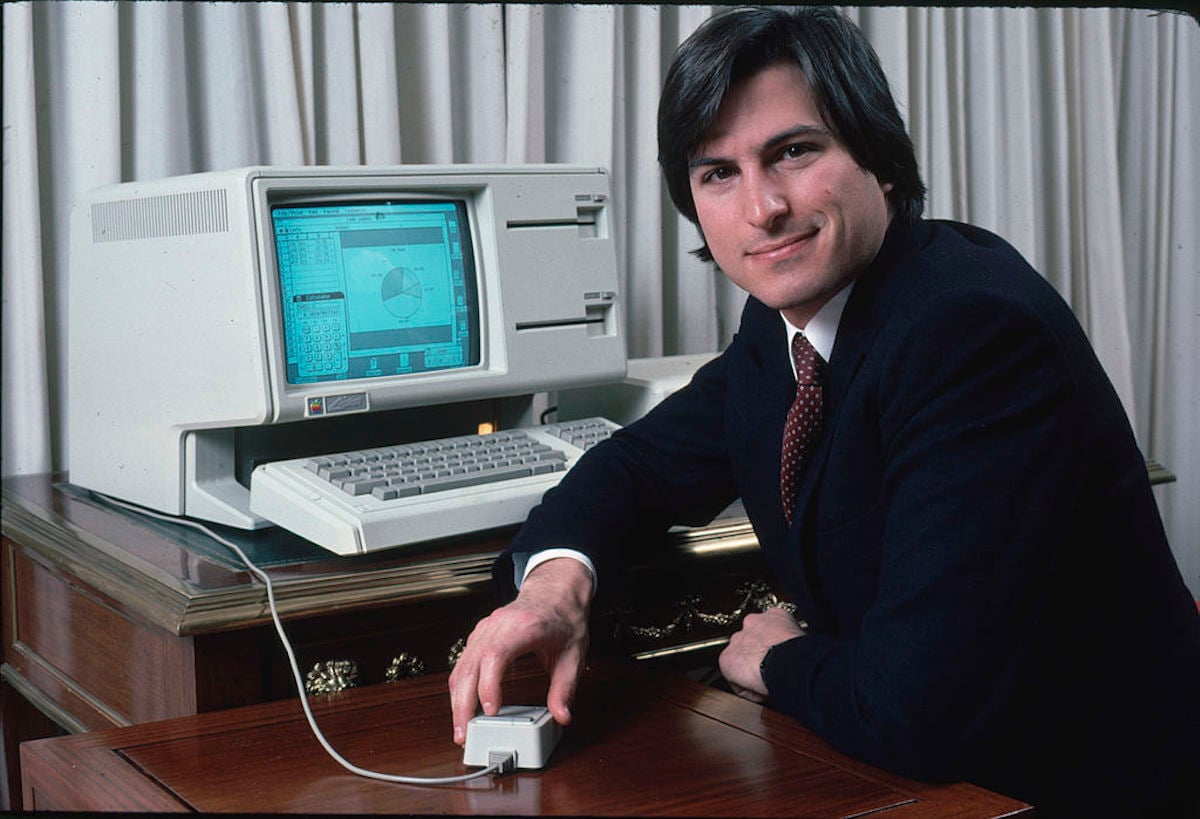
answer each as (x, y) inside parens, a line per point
(975, 546)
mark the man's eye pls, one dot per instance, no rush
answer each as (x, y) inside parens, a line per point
(796, 150)
(718, 174)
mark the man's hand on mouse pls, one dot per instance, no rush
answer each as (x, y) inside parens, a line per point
(549, 618)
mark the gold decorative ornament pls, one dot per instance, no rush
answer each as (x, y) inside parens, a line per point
(456, 651)
(331, 677)
(756, 596)
(404, 666)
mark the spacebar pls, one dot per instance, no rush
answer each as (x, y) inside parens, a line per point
(474, 478)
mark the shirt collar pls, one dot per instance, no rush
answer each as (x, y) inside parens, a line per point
(821, 330)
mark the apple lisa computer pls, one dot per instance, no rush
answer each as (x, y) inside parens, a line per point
(327, 348)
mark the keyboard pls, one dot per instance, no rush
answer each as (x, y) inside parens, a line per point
(366, 500)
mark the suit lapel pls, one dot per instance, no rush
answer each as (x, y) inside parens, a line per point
(762, 395)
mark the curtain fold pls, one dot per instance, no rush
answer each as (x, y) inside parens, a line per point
(27, 408)
(1070, 131)
(525, 97)
(1160, 169)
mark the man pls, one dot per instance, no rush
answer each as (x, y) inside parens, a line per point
(969, 534)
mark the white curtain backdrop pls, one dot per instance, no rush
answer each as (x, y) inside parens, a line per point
(1072, 132)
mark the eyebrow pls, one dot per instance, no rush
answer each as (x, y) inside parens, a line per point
(777, 139)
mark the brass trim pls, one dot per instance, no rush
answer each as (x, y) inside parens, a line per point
(34, 696)
(170, 603)
(686, 648)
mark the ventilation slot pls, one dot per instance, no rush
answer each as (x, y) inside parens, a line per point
(177, 214)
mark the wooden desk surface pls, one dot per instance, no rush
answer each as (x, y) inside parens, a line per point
(642, 744)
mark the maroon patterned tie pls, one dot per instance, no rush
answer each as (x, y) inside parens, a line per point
(803, 420)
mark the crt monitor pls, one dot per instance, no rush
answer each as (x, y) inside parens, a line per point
(215, 309)
(375, 287)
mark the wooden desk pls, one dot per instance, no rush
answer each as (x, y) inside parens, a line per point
(112, 619)
(643, 744)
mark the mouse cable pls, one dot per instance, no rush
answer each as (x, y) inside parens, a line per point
(502, 765)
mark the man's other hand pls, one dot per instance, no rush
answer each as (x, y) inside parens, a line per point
(741, 660)
(549, 618)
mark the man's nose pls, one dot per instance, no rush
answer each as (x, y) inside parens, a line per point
(765, 200)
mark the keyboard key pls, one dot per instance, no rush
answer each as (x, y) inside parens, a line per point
(475, 479)
(394, 491)
(362, 486)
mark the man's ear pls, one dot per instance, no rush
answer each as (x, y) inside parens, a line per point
(887, 188)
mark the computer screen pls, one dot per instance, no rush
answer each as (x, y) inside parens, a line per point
(376, 288)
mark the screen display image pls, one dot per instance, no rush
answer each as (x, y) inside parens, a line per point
(374, 289)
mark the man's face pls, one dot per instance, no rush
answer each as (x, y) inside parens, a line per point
(787, 213)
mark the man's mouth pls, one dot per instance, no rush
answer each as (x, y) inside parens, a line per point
(782, 247)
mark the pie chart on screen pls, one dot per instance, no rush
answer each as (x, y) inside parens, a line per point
(401, 292)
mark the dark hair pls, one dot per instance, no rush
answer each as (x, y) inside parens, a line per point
(844, 77)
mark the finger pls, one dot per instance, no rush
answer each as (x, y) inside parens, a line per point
(491, 672)
(747, 694)
(564, 679)
(464, 682)
(756, 618)
(725, 659)
(780, 613)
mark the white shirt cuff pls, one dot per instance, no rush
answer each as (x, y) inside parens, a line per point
(526, 563)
